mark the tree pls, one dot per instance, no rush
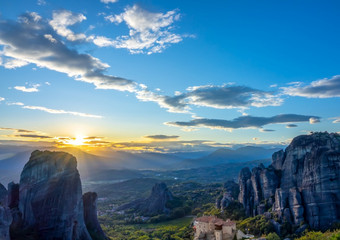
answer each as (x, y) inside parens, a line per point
(272, 236)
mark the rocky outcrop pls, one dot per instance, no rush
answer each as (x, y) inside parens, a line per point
(301, 185)
(230, 193)
(13, 204)
(5, 214)
(50, 196)
(13, 195)
(153, 205)
(90, 215)
(246, 195)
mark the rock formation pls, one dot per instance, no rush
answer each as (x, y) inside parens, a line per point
(230, 193)
(155, 204)
(48, 202)
(90, 215)
(50, 196)
(301, 185)
(5, 214)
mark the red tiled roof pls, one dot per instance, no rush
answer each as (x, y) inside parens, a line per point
(206, 219)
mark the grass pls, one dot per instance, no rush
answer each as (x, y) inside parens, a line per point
(180, 222)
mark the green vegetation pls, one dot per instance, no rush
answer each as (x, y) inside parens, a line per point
(257, 225)
(335, 235)
(169, 230)
(273, 236)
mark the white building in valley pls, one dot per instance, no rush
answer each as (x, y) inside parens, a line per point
(213, 228)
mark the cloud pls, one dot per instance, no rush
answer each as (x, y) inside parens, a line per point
(60, 22)
(244, 121)
(32, 136)
(14, 63)
(314, 120)
(41, 2)
(58, 111)
(336, 120)
(324, 88)
(291, 125)
(173, 104)
(2, 99)
(16, 130)
(221, 97)
(149, 32)
(267, 130)
(34, 88)
(225, 97)
(161, 137)
(15, 104)
(109, 1)
(25, 40)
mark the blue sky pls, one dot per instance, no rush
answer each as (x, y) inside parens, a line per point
(226, 72)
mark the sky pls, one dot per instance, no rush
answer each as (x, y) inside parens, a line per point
(167, 75)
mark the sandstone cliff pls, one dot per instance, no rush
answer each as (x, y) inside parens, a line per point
(5, 214)
(48, 202)
(302, 185)
(153, 205)
(90, 215)
(50, 196)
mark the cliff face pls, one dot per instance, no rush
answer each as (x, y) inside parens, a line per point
(90, 215)
(50, 197)
(230, 193)
(5, 214)
(156, 202)
(301, 185)
(153, 205)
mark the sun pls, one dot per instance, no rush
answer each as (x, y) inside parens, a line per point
(77, 141)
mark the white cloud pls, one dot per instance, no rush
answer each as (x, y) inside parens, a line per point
(41, 2)
(61, 20)
(50, 37)
(15, 104)
(314, 120)
(336, 120)
(109, 1)
(2, 99)
(324, 88)
(148, 32)
(14, 63)
(33, 88)
(58, 111)
(24, 41)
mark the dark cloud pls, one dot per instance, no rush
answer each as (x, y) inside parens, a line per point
(267, 130)
(161, 137)
(291, 125)
(222, 97)
(32, 136)
(231, 97)
(244, 121)
(93, 137)
(325, 88)
(17, 130)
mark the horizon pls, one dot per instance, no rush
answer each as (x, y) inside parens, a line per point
(170, 76)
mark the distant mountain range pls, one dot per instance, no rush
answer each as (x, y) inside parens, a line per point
(225, 155)
(13, 159)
